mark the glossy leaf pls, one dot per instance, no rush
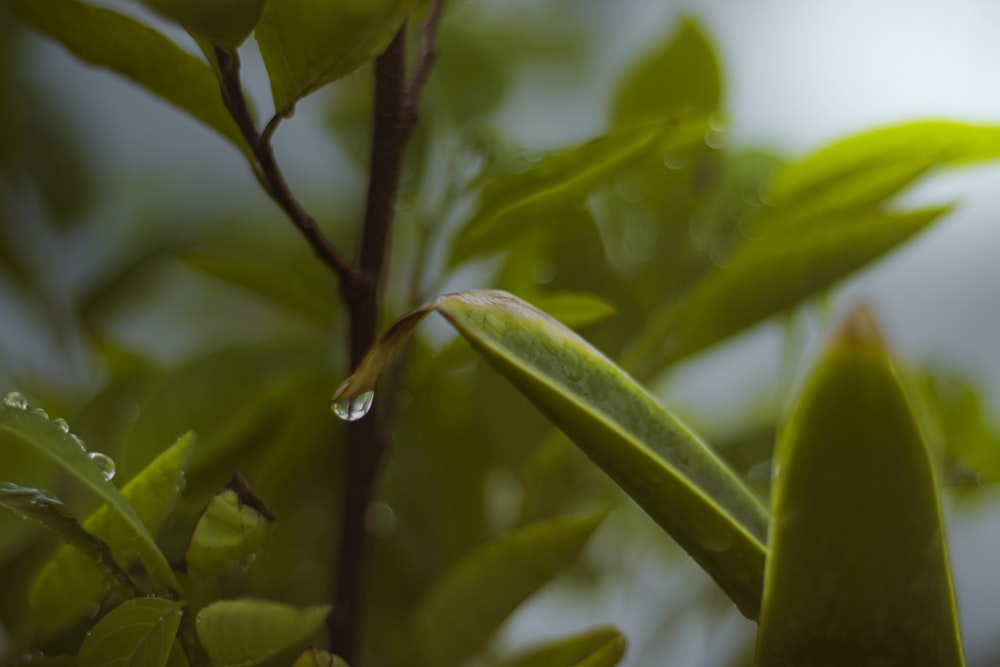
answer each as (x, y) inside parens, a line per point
(466, 606)
(602, 646)
(671, 473)
(317, 657)
(231, 532)
(771, 274)
(309, 43)
(20, 428)
(138, 633)
(52, 513)
(238, 633)
(857, 571)
(682, 75)
(564, 179)
(123, 45)
(224, 23)
(67, 587)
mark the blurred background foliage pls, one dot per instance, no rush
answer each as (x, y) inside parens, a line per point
(142, 301)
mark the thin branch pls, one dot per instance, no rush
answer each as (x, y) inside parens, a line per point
(426, 57)
(270, 176)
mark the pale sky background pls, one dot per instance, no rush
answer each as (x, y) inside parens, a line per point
(797, 75)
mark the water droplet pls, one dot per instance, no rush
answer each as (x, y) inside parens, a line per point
(15, 400)
(79, 442)
(61, 424)
(104, 463)
(353, 409)
(380, 519)
(39, 412)
(674, 162)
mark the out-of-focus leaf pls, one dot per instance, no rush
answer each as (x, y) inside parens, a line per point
(49, 511)
(68, 586)
(575, 309)
(239, 633)
(857, 568)
(177, 657)
(107, 39)
(864, 170)
(770, 274)
(234, 528)
(671, 473)
(603, 646)
(309, 43)
(564, 179)
(682, 75)
(469, 75)
(317, 657)
(467, 605)
(224, 397)
(138, 633)
(224, 23)
(21, 428)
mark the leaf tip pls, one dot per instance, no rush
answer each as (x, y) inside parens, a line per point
(861, 329)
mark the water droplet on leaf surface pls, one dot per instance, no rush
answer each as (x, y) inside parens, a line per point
(39, 412)
(79, 442)
(104, 463)
(353, 409)
(15, 400)
(61, 424)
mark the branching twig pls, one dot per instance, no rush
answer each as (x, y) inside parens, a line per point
(267, 171)
(425, 59)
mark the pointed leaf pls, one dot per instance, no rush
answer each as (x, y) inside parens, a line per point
(681, 75)
(224, 23)
(234, 528)
(671, 473)
(50, 512)
(68, 586)
(576, 309)
(309, 43)
(771, 274)
(857, 571)
(20, 428)
(565, 179)
(598, 647)
(468, 604)
(138, 633)
(110, 40)
(238, 633)
(317, 657)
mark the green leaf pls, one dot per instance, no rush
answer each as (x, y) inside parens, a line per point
(138, 633)
(107, 39)
(317, 657)
(309, 43)
(512, 202)
(20, 428)
(671, 473)
(576, 309)
(68, 585)
(237, 633)
(867, 169)
(771, 274)
(603, 646)
(52, 513)
(467, 605)
(857, 572)
(234, 528)
(224, 23)
(682, 75)
(177, 657)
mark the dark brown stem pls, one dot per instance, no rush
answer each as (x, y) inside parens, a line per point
(395, 103)
(270, 176)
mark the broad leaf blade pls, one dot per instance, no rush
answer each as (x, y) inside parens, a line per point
(309, 43)
(139, 633)
(245, 632)
(224, 23)
(857, 571)
(598, 647)
(565, 179)
(68, 586)
(110, 40)
(672, 474)
(772, 274)
(467, 605)
(20, 428)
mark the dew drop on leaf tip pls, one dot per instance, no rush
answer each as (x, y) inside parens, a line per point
(104, 463)
(15, 400)
(61, 424)
(354, 408)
